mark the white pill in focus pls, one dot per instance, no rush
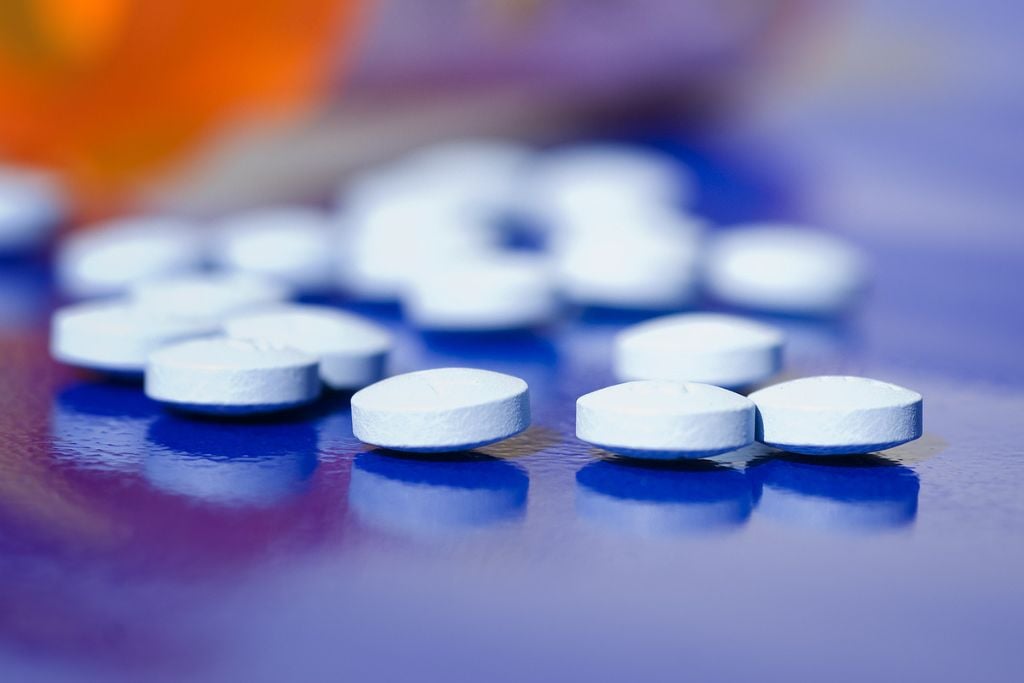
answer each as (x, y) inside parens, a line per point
(503, 292)
(296, 245)
(352, 351)
(116, 336)
(837, 415)
(110, 258)
(710, 348)
(785, 269)
(219, 375)
(662, 419)
(208, 296)
(439, 410)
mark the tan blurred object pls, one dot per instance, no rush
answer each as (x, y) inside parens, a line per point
(113, 91)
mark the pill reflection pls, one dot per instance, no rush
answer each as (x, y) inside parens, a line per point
(663, 499)
(427, 496)
(854, 494)
(101, 426)
(230, 464)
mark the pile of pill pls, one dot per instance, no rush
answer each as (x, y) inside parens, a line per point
(210, 315)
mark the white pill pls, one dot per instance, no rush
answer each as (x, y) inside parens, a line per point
(664, 419)
(445, 409)
(208, 296)
(785, 269)
(388, 244)
(835, 415)
(116, 336)
(425, 498)
(31, 206)
(111, 258)
(231, 376)
(502, 292)
(295, 245)
(645, 269)
(711, 348)
(352, 351)
(473, 173)
(589, 180)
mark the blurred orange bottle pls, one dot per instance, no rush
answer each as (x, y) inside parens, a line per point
(111, 92)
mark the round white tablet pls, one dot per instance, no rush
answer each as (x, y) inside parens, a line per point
(208, 296)
(502, 292)
(421, 497)
(588, 180)
(295, 245)
(445, 409)
(833, 415)
(115, 336)
(31, 206)
(712, 348)
(352, 350)
(785, 269)
(664, 419)
(633, 269)
(108, 259)
(231, 376)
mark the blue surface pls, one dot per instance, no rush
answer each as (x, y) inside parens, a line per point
(141, 544)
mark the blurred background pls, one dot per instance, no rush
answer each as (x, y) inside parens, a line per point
(907, 110)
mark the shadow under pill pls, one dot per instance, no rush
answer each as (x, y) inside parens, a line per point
(227, 464)
(858, 493)
(659, 499)
(429, 495)
(101, 426)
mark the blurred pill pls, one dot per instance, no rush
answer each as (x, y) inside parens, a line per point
(352, 351)
(785, 269)
(208, 296)
(501, 292)
(387, 245)
(31, 207)
(439, 410)
(710, 348)
(588, 180)
(645, 269)
(295, 245)
(663, 419)
(219, 375)
(835, 415)
(116, 336)
(109, 258)
(475, 174)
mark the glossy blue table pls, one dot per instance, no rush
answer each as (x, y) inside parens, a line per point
(136, 544)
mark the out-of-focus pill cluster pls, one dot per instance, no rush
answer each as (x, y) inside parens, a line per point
(479, 236)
